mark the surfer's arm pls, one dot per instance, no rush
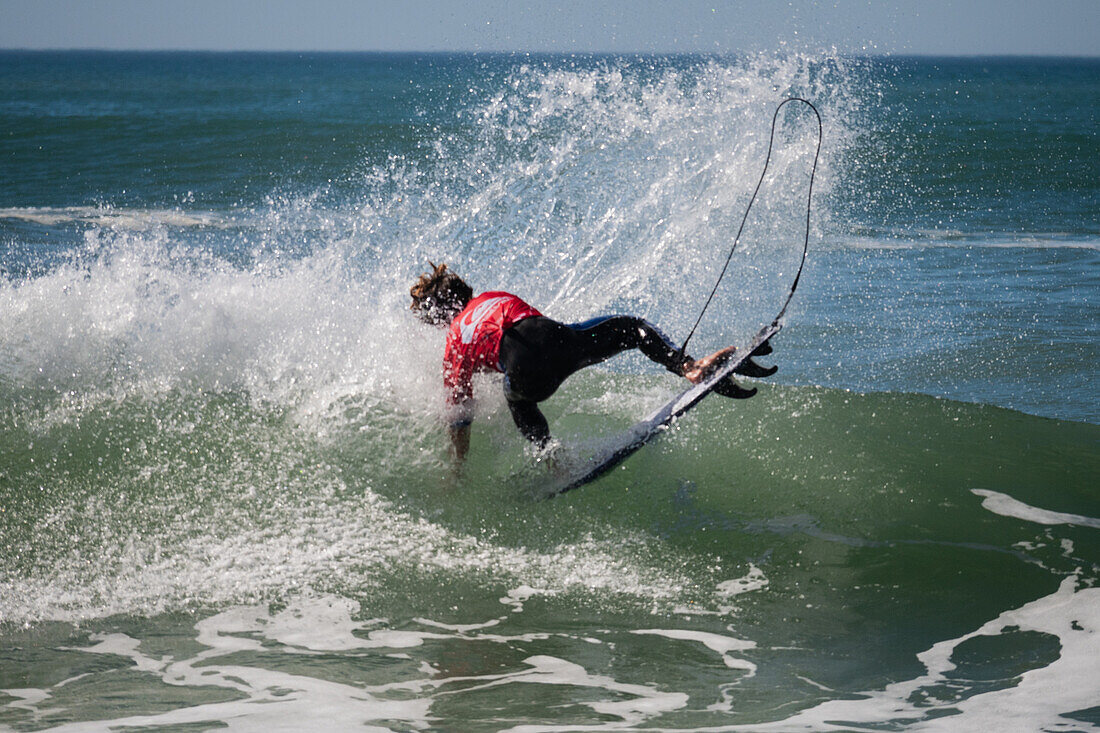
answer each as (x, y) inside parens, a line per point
(459, 416)
(458, 380)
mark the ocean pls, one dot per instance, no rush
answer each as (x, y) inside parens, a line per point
(226, 499)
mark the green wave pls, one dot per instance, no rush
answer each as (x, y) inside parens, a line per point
(872, 484)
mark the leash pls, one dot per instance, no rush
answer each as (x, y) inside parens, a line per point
(759, 183)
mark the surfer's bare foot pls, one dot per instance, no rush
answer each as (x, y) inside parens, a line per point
(700, 369)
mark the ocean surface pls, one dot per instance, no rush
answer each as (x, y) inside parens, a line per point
(226, 500)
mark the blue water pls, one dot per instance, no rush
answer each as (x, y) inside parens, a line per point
(222, 475)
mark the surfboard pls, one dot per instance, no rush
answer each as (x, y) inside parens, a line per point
(585, 469)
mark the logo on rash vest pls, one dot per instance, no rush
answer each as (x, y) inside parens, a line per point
(473, 319)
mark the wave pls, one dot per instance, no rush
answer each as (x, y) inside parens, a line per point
(116, 218)
(1007, 506)
(194, 500)
(424, 686)
(915, 240)
(724, 548)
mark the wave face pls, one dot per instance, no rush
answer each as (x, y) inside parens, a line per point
(222, 476)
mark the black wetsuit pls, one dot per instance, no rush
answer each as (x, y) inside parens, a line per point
(538, 354)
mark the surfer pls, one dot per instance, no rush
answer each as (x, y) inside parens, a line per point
(499, 331)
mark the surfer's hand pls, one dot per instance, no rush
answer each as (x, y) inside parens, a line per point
(455, 472)
(460, 441)
(698, 370)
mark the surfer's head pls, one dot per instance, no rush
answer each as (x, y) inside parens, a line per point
(439, 296)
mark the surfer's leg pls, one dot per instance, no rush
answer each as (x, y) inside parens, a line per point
(601, 338)
(530, 421)
(538, 354)
(530, 372)
(536, 357)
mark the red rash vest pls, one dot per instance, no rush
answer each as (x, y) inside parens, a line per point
(473, 340)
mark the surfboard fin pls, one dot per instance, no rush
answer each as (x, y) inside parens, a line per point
(750, 368)
(729, 388)
(763, 349)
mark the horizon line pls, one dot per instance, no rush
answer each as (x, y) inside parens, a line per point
(539, 52)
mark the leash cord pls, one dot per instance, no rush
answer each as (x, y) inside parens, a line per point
(759, 183)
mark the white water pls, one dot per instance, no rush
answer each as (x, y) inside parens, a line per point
(320, 624)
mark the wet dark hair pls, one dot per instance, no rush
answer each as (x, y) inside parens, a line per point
(439, 296)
